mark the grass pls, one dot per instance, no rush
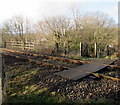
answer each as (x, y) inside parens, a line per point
(39, 96)
(113, 56)
(81, 58)
(22, 88)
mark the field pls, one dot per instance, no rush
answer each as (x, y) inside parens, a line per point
(68, 55)
(28, 82)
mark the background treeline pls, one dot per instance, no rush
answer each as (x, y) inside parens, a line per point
(91, 34)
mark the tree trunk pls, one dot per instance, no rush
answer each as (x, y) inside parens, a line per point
(84, 50)
(67, 50)
(108, 53)
(98, 53)
(57, 47)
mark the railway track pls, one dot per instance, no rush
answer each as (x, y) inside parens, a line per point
(45, 60)
(44, 57)
(55, 62)
(45, 77)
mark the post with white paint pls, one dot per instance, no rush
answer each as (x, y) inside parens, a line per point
(80, 49)
(95, 50)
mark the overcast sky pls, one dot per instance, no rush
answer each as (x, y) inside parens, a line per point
(38, 9)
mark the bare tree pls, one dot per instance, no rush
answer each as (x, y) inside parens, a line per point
(98, 29)
(18, 27)
(93, 29)
(56, 27)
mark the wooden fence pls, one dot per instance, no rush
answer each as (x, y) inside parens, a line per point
(44, 47)
(20, 45)
(29, 46)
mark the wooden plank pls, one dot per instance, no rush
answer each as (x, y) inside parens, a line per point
(72, 74)
(76, 73)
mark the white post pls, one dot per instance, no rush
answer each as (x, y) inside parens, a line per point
(95, 50)
(80, 50)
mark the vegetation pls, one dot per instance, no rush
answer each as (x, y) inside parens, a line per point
(75, 36)
(24, 86)
(89, 35)
(22, 89)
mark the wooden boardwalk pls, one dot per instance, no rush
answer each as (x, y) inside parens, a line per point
(76, 73)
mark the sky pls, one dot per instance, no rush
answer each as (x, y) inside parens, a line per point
(38, 9)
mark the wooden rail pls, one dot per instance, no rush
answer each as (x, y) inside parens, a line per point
(50, 57)
(61, 58)
(58, 66)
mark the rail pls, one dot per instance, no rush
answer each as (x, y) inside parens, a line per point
(58, 66)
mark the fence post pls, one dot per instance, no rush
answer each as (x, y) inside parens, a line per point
(95, 51)
(80, 49)
(1, 70)
(1, 79)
